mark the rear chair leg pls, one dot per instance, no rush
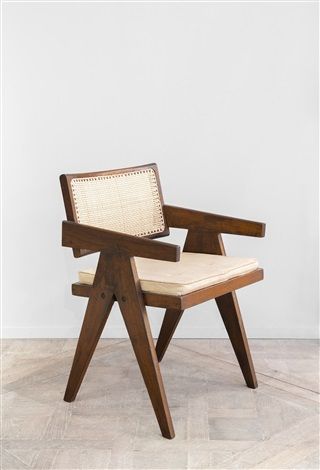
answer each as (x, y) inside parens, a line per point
(228, 306)
(231, 316)
(170, 322)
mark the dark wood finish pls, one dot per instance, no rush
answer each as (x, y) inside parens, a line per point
(96, 239)
(122, 273)
(81, 290)
(187, 218)
(211, 292)
(232, 319)
(170, 322)
(187, 300)
(206, 243)
(116, 279)
(65, 182)
(98, 309)
(227, 304)
(202, 241)
(153, 300)
(199, 241)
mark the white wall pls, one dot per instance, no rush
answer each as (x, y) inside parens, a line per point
(222, 96)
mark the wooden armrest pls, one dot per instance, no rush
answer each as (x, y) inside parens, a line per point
(179, 217)
(86, 237)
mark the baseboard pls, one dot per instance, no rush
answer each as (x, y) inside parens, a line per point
(194, 332)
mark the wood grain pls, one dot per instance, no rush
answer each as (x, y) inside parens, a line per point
(227, 305)
(191, 219)
(116, 279)
(127, 290)
(170, 322)
(98, 309)
(82, 236)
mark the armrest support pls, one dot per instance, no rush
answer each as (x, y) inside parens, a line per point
(179, 217)
(86, 237)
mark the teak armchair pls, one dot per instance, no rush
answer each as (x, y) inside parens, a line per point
(118, 213)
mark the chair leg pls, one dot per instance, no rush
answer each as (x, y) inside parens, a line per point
(98, 309)
(133, 310)
(228, 306)
(231, 316)
(96, 315)
(168, 327)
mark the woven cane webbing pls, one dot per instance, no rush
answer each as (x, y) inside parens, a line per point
(125, 202)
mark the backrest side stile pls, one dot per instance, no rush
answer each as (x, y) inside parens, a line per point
(127, 200)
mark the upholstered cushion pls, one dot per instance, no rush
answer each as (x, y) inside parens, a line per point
(194, 271)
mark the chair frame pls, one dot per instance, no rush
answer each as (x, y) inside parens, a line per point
(116, 279)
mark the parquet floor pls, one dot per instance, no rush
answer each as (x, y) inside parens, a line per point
(219, 422)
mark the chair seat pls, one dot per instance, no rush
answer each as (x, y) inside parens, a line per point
(194, 271)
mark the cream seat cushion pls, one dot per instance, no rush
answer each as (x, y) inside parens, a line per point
(194, 271)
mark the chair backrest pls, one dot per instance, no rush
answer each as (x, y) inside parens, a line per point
(127, 200)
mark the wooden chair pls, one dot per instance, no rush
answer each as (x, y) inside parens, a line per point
(118, 213)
